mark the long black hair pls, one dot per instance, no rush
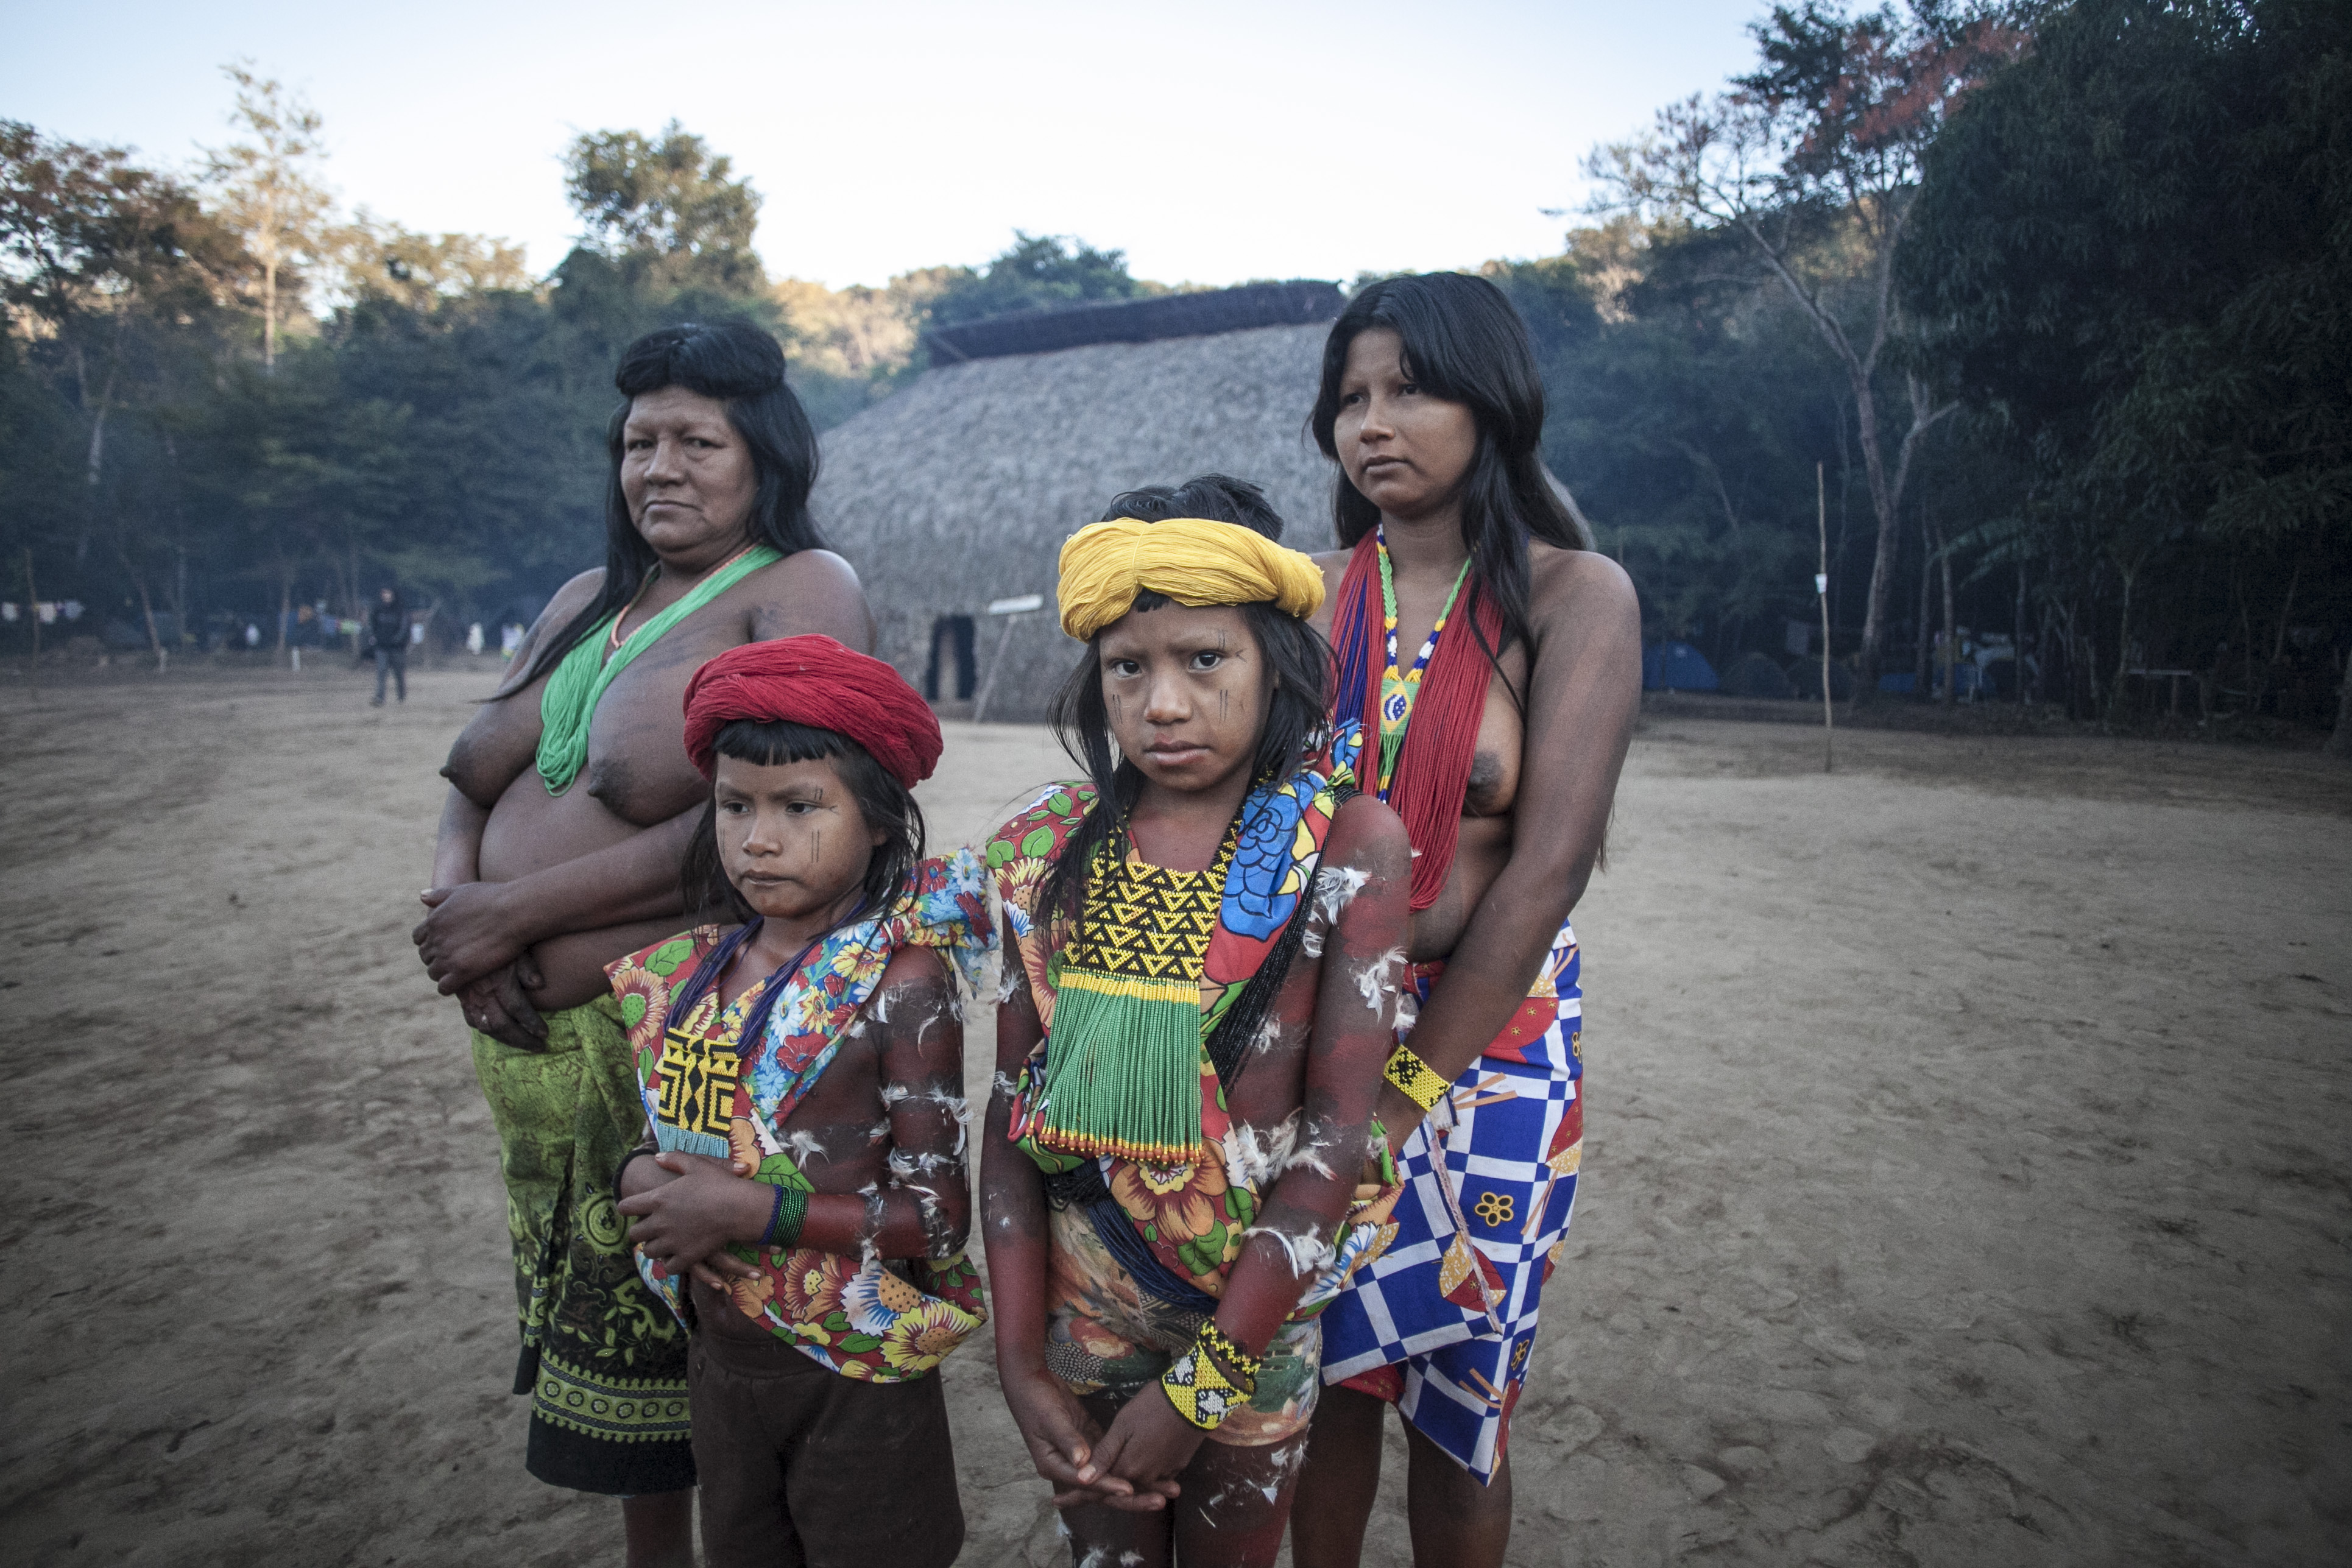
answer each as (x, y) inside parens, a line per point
(1465, 343)
(1296, 656)
(737, 363)
(884, 802)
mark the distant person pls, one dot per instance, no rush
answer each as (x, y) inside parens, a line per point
(837, 1156)
(387, 627)
(570, 804)
(473, 638)
(1498, 662)
(252, 635)
(509, 640)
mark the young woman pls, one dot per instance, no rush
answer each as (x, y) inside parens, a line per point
(1494, 664)
(1203, 947)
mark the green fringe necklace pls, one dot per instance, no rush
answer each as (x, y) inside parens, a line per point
(1123, 1070)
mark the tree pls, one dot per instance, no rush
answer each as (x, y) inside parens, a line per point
(1037, 272)
(263, 190)
(668, 203)
(130, 284)
(1813, 162)
(2135, 248)
(851, 347)
(1688, 401)
(384, 261)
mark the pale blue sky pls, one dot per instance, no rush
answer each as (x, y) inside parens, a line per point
(1213, 141)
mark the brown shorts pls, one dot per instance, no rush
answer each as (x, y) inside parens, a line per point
(803, 1468)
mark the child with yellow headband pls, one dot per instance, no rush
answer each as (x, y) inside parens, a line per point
(1203, 945)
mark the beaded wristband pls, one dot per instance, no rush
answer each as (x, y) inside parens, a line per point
(786, 1219)
(1414, 1078)
(1239, 1364)
(643, 1152)
(1201, 1393)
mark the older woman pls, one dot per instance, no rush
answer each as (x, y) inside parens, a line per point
(1498, 742)
(570, 802)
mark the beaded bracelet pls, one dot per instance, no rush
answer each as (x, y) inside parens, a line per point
(1240, 1366)
(786, 1219)
(1414, 1078)
(1201, 1391)
(643, 1151)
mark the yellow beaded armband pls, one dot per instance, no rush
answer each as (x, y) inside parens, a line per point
(1239, 1364)
(1414, 1078)
(1201, 1392)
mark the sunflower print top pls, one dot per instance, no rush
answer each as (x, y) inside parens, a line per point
(1193, 1215)
(707, 1090)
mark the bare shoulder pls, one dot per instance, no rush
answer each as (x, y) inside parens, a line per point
(574, 597)
(1576, 580)
(808, 591)
(1366, 834)
(1333, 565)
(915, 974)
(1582, 603)
(809, 571)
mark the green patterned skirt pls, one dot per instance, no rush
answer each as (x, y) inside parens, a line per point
(602, 1358)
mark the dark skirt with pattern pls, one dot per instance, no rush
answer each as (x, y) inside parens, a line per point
(603, 1361)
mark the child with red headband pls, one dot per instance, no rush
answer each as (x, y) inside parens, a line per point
(801, 1200)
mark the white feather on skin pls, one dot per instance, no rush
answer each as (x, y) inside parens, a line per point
(1306, 1253)
(1254, 1159)
(1372, 981)
(1336, 888)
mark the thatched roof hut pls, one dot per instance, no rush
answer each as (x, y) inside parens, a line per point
(958, 490)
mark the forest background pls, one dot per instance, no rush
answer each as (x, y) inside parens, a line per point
(2041, 314)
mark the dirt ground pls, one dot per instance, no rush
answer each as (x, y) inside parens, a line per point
(1968, 1177)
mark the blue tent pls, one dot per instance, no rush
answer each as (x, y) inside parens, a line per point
(1677, 667)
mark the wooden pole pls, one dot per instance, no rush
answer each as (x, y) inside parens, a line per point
(988, 687)
(1822, 590)
(33, 609)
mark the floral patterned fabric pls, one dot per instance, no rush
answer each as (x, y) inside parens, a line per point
(1191, 1217)
(706, 1090)
(1107, 1332)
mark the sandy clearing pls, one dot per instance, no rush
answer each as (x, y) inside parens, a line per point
(1968, 1178)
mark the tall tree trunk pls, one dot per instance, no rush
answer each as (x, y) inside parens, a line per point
(147, 608)
(2286, 612)
(33, 609)
(94, 463)
(270, 315)
(1920, 686)
(2043, 642)
(2017, 636)
(1881, 505)
(2123, 644)
(2074, 662)
(1951, 625)
(2339, 744)
(285, 601)
(1886, 500)
(351, 594)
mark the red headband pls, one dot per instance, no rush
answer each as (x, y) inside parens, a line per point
(813, 680)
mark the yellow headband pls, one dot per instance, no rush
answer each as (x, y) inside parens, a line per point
(1191, 560)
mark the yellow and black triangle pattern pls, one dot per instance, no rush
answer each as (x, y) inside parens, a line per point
(1146, 922)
